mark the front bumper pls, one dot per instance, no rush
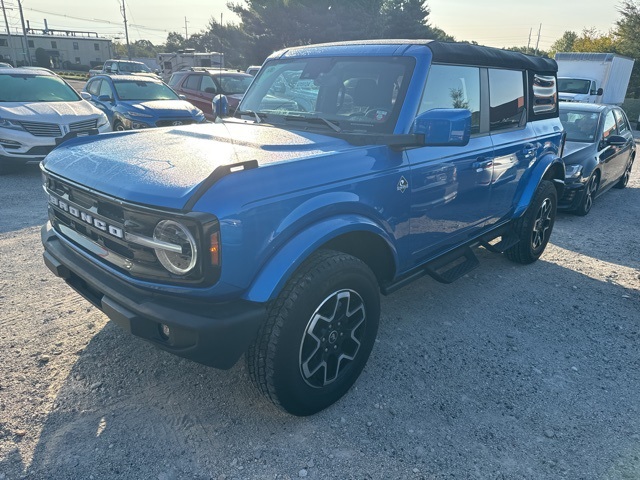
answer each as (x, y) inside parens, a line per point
(214, 334)
(20, 146)
(572, 196)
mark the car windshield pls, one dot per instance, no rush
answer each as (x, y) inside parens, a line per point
(133, 68)
(234, 84)
(573, 85)
(143, 90)
(35, 88)
(347, 94)
(580, 126)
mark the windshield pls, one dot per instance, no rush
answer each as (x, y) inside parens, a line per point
(35, 88)
(573, 85)
(142, 90)
(580, 126)
(355, 94)
(125, 67)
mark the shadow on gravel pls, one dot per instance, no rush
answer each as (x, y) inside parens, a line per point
(23, 201)
(492, 377)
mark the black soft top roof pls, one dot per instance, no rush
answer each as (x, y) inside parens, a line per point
(467, 54)
(449, 52)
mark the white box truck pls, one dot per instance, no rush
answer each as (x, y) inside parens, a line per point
(593, 77)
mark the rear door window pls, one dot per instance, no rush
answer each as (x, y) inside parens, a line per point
(621, 122)
(192, 82)
(506, 99)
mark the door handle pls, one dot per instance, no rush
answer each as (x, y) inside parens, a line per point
(482, 164)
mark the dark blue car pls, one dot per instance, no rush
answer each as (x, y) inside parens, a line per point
(134, 102)
(598, 154)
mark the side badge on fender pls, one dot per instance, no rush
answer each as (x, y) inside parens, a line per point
(402, 185)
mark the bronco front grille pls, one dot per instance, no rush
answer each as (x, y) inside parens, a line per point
(101, 226)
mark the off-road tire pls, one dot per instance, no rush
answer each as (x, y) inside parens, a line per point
(534, 228)
(305, 318)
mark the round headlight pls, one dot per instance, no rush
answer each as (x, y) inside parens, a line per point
(175, 235)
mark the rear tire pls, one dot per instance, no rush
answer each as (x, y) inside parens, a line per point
(119, 127)
(318, 335)
(534, 228)
(624, 179)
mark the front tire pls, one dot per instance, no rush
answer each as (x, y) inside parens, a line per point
(534, 228)
(589, 195)
(119, 127)
(318, 335)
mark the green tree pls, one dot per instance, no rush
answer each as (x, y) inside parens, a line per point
(628, 35)
(565, 43)
(408, 19)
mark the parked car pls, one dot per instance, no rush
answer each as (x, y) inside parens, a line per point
(38, 111)
(274, 233)
(133, 102)
(253, 70)
(5, 65)
(126, 67)
(599, 153)
(200, 85)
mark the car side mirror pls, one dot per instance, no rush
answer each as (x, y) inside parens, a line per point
(211, 90)
(104, 98)
(444, 127)
(615, 141)
(182, 97)
(600, 91)
(85, 95)
(220, 106)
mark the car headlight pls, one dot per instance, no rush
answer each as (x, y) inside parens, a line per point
(138, 114)
(12, 124)
(102, 120)
(178, 252)
(572, 171)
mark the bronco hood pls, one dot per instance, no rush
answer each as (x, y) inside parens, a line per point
(164, 166)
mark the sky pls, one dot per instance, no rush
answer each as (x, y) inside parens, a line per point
(498, 23)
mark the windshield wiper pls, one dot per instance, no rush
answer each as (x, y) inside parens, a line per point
(302, 118)
(258, 116)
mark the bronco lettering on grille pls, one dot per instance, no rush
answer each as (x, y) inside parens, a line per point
(86, 217)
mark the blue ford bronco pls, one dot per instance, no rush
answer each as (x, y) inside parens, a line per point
(348, 170)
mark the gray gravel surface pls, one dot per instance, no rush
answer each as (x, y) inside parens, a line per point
(512, 372)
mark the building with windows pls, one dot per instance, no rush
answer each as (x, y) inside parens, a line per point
(64, 48)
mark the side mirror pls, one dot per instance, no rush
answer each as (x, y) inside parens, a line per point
(600, 91)
(182, 97)
(85, 95)
(220, 106)
(104, 98)
(444, 127)
(616, 141)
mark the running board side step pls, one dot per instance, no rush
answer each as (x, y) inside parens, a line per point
(445, 269)
(506, 242)
(449, 268)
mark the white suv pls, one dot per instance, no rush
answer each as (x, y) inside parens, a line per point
(38, 111)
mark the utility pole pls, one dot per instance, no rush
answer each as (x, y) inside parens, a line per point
(186, 34)
(24, 33)
(529, 42)
(538, 41)
(126, 31)
(6, 22)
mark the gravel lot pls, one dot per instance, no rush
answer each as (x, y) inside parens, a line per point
(510, 373)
